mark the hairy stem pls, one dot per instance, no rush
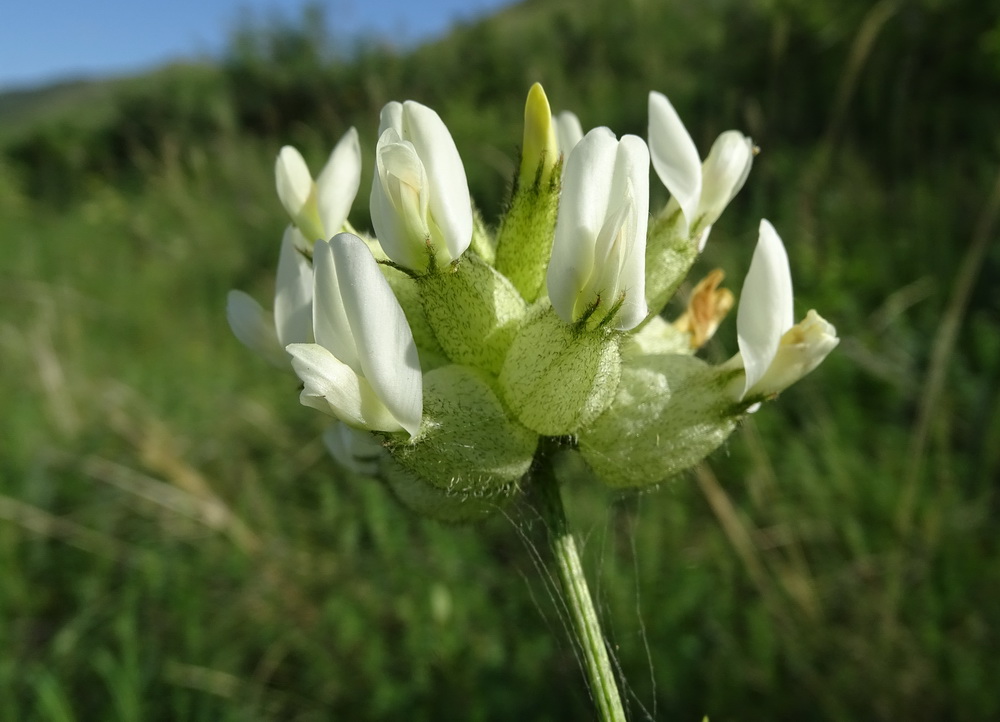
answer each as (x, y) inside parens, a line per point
(586, 626)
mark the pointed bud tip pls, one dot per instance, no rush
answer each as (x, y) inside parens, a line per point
(540, 149)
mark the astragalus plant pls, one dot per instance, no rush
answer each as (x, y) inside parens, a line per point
(455, 360)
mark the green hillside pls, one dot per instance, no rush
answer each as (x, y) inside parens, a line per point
(176, 544)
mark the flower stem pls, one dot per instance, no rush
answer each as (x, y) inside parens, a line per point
(586, 626)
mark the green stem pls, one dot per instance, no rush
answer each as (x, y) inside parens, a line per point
(586, 626)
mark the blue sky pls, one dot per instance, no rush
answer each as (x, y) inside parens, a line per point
(47, 40)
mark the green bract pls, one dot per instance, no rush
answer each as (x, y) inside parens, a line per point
(557, 377)
(469, 455)
(446, 351)
(669, 413)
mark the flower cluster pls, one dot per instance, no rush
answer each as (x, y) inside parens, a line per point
(447, 351)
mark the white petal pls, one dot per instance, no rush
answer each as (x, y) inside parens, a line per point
(331, 326)
(611, 244)
(332, 387)
(702, 238)
(450, 203)
(254, 328)
(632, 163)
(765, 311)
(583, 210)
(723, 174)
(388, 353)
(399, 201)
(300, 242)
(598, 252)
(293, 180)
(293, 293)
(353, 448)
(569, 132)
(802, 348)
(391, 117)
(337, 184)
(674, 155)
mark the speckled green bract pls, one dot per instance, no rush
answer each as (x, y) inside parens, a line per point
(669, 256)
(473, 311)
(669, 413)
(469, 456)
(556, 377)
(456, 504)
(524, 242)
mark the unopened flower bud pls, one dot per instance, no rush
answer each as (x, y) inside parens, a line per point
(524, 242)
(539, 150)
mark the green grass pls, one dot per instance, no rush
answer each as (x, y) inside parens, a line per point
(175, 543)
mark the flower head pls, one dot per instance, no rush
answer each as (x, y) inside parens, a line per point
(542, 332)
(420, 201)
(597, 265)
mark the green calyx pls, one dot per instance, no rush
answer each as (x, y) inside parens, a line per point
(670, 411)
(469, 456)
(473, 311)
(558, 377)
(670, 253)
(524, 242)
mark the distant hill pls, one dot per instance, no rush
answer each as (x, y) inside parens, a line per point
(22, 108)
(880, 77)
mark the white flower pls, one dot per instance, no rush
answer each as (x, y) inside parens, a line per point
(356, 450)
(363, 367)
(598, 252)
(702, 191)
(774, 352)
(569, 132)
(319, 208)
(420, 202)
(291, 321)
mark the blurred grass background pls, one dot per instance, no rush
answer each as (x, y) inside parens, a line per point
(175, 543)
